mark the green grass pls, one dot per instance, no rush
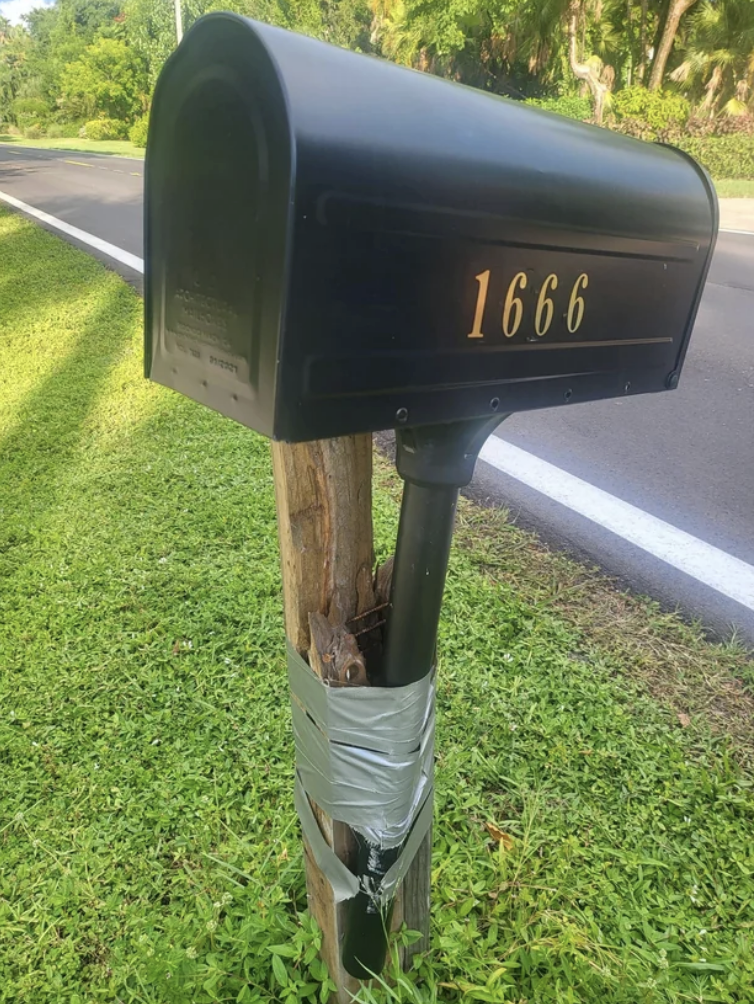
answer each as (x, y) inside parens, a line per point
(149, 850)
(735, 189)
(113, 147)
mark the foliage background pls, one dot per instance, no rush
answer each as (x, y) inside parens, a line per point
(650, 68)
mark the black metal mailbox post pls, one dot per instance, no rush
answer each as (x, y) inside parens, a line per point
(338, 245)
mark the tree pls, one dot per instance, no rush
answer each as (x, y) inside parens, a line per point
(60, 33)
(589, 71)
(150, 24)
(676, 10)
(509, 46)
(150, 30)
(13, 64)
(719, 59)
(109, 79)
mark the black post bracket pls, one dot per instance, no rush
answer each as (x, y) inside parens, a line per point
(442, 455)
(435, 461)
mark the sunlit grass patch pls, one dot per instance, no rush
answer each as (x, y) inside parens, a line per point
(590, 845)
(112, 147)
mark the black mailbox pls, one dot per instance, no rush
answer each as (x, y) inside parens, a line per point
(335, 244)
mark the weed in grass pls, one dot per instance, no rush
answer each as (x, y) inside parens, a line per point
(588, 846)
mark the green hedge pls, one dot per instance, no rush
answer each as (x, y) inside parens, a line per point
(138, 132)
(724, 145)
(730, 155)
(27, 110)
(657, 110)
(105, 129)
(64, 130)
(723, 156)
(572, 107)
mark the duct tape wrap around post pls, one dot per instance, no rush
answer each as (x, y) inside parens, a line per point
(365, 756)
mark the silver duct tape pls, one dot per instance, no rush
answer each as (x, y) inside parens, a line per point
(375, 793)
(364, 754)
(345, 885)
(396, 716)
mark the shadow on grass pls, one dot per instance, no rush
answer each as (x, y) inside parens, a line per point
(49, 427)
(31, 270)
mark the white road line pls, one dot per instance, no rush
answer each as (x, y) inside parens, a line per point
(124, 257)
(727, 230)
(707, 564)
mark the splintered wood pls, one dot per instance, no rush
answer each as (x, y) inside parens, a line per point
(334, 605)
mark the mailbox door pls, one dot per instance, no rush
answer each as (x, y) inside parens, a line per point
(217, 208)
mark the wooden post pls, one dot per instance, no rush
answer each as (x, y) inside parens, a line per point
(324, 503)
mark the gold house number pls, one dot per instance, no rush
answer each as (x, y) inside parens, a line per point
(513, 307)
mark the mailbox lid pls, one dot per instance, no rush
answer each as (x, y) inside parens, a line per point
(399, 138)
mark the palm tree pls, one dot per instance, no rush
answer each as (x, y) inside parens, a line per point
(552, 31)
(720, 56)
(676, 10)
(480, 41)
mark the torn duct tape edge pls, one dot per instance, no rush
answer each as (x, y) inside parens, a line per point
(345, 885)
(365, 755)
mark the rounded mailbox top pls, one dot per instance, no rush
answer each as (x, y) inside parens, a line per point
(332, 240)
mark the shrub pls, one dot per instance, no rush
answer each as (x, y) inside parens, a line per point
(725, 152)
(28, 110)
(63, 130)
(637, 128)
(34, 130)
(138, 132)
(571, 107)
(723, 156)
(105, 129)
(725, 125)
(657, 110)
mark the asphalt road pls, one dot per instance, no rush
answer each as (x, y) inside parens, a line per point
(98, 194)
(686, 457)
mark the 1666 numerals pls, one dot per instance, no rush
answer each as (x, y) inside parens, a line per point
(544, 311)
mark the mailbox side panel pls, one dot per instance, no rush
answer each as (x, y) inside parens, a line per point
(219, 170)
(456, 254)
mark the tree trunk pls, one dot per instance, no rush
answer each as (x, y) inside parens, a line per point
(581, 70)
(641, 69)
(711, 92)
(670, 29)
(323, 491)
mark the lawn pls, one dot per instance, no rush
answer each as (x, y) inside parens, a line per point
(149, 850)
(735, 189)
(113, 147)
